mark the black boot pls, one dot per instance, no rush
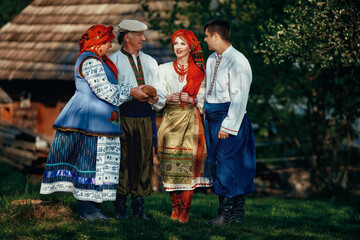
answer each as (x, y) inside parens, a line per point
(137, 207)
(239, 212)
(120, 207)
(221, 199)
(96, 211)
(225, 213)
(84, 209)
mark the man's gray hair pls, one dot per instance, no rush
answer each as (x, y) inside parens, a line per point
(121, 36)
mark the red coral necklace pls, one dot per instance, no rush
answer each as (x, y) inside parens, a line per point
(182, 70)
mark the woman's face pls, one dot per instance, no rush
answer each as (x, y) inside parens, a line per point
(104, 48)
(181, 48)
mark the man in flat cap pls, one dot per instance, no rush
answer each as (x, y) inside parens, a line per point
(138, 119)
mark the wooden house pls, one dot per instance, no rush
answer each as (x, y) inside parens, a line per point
(39, 47)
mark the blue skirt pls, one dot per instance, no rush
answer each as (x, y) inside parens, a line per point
(71, 167)
(231, 162)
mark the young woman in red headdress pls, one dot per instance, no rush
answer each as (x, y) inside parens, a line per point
(84, 157)
(181, 141)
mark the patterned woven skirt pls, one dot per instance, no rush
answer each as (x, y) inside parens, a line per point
(182, 149)
(86, 166)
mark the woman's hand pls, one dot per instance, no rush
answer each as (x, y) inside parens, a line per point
(186, 98)
(175, 97)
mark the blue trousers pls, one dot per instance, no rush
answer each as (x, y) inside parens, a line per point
(231, 162)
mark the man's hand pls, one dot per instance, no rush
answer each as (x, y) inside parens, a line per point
(138, 94)
(152, 100)
(223, 135)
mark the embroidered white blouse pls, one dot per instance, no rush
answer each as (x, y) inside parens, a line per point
(168, 78)
(232, 84)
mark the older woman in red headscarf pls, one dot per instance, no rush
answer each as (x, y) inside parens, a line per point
(181, 141)
(85, 154)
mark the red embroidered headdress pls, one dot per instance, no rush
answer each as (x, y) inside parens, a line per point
(98, 35)
(196, 71)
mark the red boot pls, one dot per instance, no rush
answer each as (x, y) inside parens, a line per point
(175, 203)
(185, 206)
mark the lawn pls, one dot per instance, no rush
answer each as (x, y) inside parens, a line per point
(266, 218)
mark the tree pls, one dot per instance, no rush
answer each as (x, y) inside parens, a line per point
(321, 39)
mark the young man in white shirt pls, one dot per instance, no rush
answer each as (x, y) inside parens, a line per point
(231, 160)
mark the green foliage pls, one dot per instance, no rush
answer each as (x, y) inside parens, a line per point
(332, 218)
(320, 40)
(317, 35)
(9, 9)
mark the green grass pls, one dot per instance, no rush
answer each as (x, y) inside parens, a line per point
(266, 218)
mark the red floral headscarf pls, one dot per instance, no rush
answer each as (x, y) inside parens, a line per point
(196, 72)
(98, 35)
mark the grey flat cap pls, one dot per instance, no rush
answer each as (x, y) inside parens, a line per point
(132, 26)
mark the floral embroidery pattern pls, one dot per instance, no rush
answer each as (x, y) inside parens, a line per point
(114, 118)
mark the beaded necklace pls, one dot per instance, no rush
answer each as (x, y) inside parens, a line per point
(182, 71)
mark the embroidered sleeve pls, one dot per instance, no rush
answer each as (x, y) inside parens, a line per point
(94, 73)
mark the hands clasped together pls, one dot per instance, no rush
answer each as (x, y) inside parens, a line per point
(177, 97)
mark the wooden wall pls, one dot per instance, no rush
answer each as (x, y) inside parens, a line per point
(38, 117)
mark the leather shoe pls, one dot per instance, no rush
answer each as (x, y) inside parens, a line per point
(87, 217)
(100, 216)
